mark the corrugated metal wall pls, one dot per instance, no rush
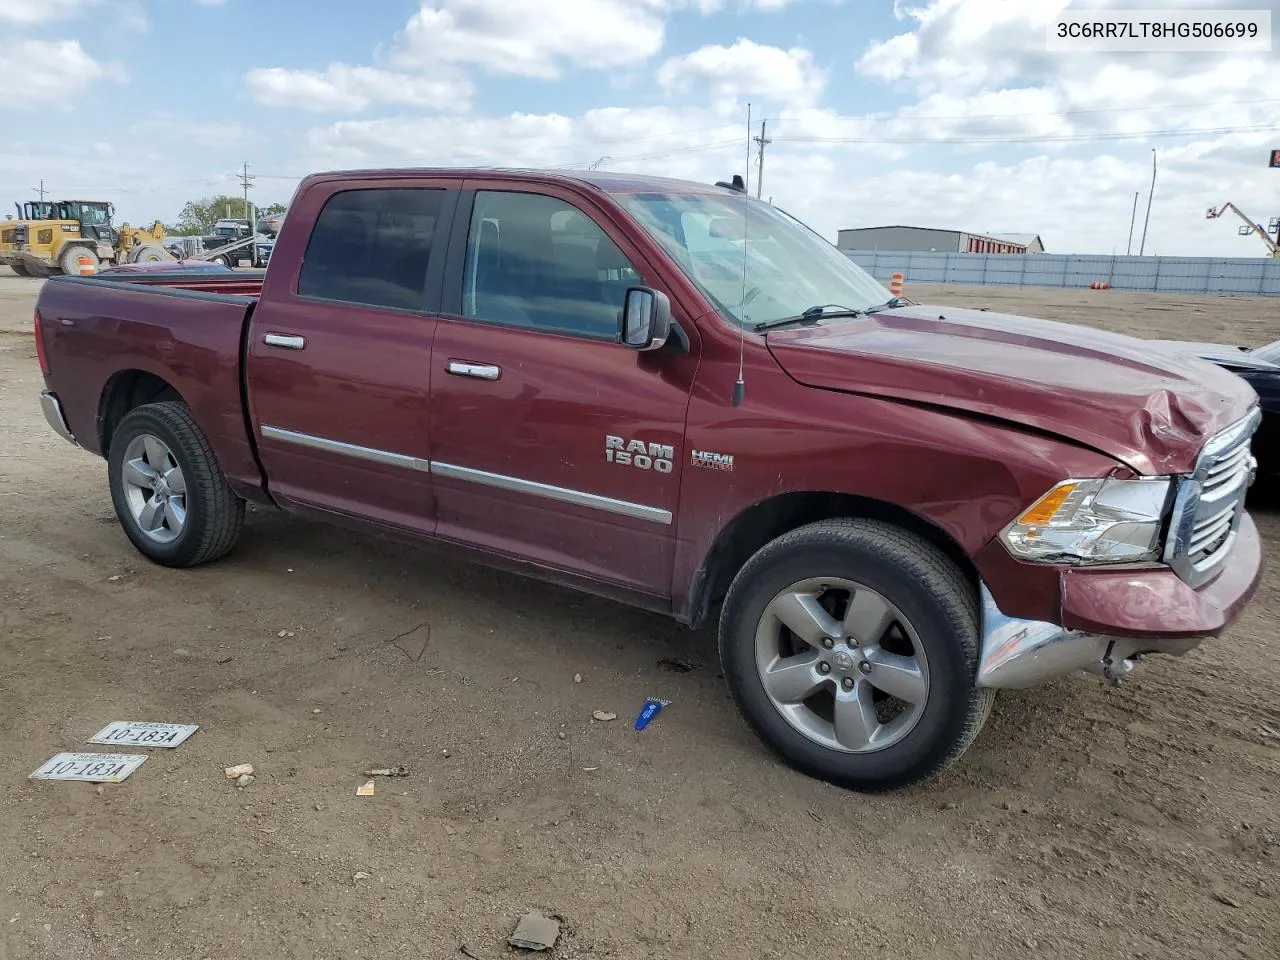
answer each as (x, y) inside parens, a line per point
(1164, 274)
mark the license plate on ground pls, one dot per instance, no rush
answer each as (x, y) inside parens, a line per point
(136, 733)
(90, 767)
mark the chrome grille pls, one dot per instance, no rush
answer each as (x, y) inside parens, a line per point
(1210, 503)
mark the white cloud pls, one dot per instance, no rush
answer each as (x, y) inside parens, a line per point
(32, 12)
(960, 70)
(537, 39)
(53, 72)
(533, 38)
(341, 87)
(789, 76)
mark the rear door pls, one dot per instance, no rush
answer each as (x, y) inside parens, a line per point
(338, 363)
(551, 441)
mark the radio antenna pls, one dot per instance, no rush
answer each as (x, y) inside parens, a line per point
(740, 388)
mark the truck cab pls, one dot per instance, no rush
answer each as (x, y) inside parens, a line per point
(679, 397)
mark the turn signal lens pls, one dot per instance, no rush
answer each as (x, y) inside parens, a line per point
(1044, 509)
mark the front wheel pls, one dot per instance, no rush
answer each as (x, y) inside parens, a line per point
(149, 255)
(70, 264)
(851, 647)
(169, 493)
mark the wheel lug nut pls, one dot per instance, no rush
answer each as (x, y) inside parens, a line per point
(824, 668)
(847, 683)
(828, 643)
(864, 667)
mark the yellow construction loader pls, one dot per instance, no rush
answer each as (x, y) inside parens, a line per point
(64, 236)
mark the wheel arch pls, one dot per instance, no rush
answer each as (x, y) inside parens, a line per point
(769, 519)
(124, 391)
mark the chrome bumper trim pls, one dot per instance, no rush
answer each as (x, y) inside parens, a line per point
(53, 413)
(1017, 653)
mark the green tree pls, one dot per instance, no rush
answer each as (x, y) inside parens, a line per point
(198, 216)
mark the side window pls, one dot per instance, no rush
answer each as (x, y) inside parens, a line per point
(371, 247)
(539, 262)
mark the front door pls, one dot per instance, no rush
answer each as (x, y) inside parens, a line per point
(551, 441)
(339, 353)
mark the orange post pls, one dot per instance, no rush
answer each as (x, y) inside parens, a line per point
(895, 284)
(87, 269)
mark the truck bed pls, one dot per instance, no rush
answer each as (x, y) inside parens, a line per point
(118, 339)
(239, 283)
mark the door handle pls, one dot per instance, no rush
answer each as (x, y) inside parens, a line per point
(280, 340)
(481, 371)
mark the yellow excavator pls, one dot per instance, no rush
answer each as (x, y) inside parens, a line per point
(58, 236)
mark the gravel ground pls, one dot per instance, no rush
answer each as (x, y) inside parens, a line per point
(1086, 821)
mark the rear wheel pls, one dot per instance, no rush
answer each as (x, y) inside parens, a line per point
(170, 495)
(851, 648)
(224, 260)
(69, 262)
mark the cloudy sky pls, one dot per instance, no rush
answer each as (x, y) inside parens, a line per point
(947, 113)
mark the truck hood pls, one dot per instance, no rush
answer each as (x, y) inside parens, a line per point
(1150, 406)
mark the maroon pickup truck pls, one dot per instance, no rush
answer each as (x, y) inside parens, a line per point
(679, 397)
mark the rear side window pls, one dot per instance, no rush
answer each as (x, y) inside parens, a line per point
(372, 247)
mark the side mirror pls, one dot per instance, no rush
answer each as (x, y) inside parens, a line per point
(646, 319)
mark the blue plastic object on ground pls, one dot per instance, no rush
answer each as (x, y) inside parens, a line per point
(651, 707)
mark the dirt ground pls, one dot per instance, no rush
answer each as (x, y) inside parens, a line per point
(1137, 822)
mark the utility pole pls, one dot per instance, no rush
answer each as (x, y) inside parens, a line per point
(41, 190)
(1132, 219)
(246, 181)
(763, 141)
(1143, 245)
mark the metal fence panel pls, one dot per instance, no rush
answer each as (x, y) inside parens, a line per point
(1240, 275)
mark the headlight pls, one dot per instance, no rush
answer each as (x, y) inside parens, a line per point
(1092, 521)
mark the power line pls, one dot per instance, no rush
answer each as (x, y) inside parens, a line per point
(1047, 138)
(1014, 116)
(655, 155)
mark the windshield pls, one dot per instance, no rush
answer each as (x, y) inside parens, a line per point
(1270, 353)
(789, 268)
(89, 214)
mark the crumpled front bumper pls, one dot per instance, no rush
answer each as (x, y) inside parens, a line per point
(1110, 617)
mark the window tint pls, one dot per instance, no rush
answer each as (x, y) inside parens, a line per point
(535, 261)
(372, 247)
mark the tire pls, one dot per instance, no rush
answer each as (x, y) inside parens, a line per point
(931, 613)
(69, 262)
(150, 255)
(20, 269)
(225, 261)
(211, 515)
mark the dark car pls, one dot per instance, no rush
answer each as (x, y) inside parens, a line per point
(1260, 367)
